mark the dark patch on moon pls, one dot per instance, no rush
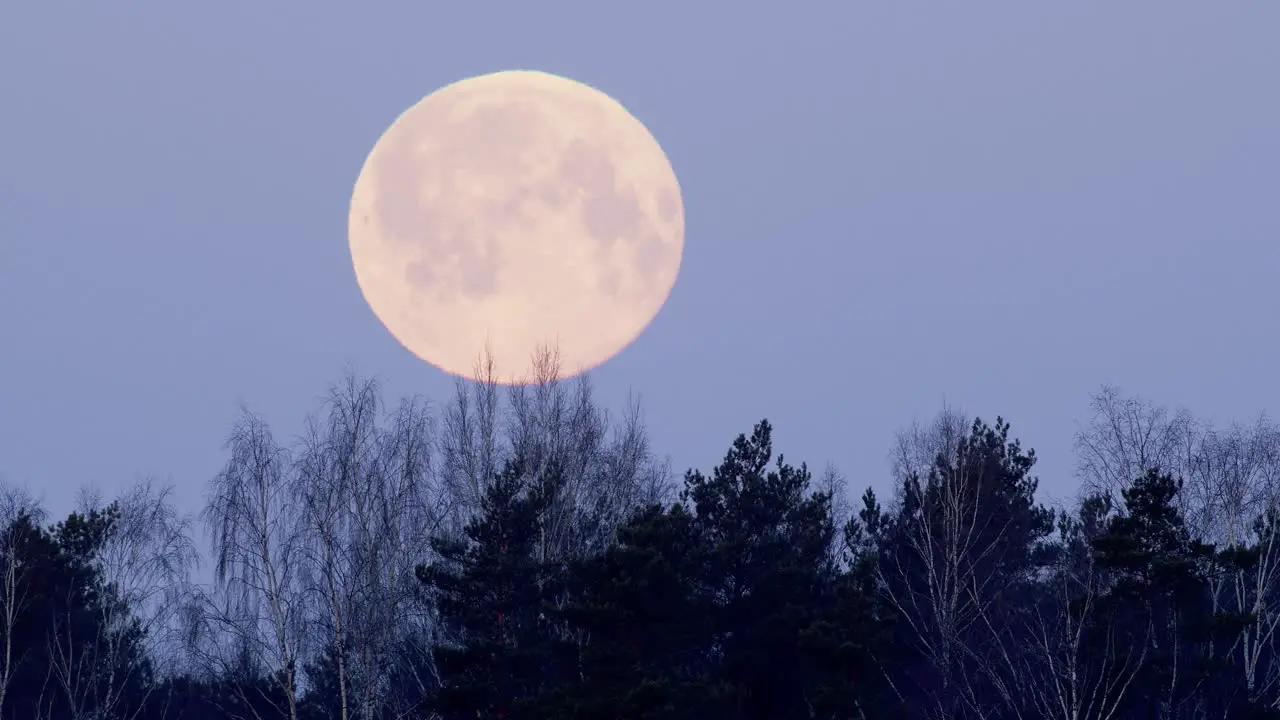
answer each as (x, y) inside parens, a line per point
(609, 282)
(611, 215)
(399, 175)
(478, 265)
(668, 205)
(474, 276)
(608, 214)
(651, 257)
(419, 273)
(485, 147)
(477, 161)
(492, 141)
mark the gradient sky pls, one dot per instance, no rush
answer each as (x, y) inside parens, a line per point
(888, 204)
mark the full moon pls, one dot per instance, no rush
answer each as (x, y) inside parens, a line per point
(516, 213)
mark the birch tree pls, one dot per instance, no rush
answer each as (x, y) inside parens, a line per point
(139, 559)
(369, 509)
(257, 604)
(609, 466)
(1127, 436)
(20, 516)
(1082, 666)
(954, 561)
(1229, 493)
(471, 445)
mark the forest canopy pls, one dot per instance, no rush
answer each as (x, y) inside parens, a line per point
(522, 553)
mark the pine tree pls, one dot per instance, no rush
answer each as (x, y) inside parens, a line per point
(729, 605)
(69, 623)
(489, 591)
(1160, 598)
(956, 560)
(637, 603)
(769, 569)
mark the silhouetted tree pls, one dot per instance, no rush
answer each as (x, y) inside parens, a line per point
(768, 568)
(490, 592)
(73, 648)
(957, 561)
(648, 624)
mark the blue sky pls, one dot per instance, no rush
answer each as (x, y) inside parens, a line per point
(888, 204)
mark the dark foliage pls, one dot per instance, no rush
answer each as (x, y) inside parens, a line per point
(491, 592)
(748, 598)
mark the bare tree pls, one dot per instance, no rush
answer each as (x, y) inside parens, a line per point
(1232, 502)
(941, 610)
(147, 559)
(369, 509)
(917, 449)
(949, 564)
(255, 530)
(19, 515)
(1082, 661)
(609, 467)
(1125, 437)
(316, 548)
(1250, 589)
(143, 560)
(329, 474)
(402, 509)
(1231, 488)
(834, 484)
(1232, 479)
(471, 446)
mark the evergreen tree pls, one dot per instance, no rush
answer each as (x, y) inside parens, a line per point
(768, 569)
(73, 649)
(728, 605)
(957, 562)
(323, 699)
(489, 591)
(1161, 600)
(647, 626)
(850, 639)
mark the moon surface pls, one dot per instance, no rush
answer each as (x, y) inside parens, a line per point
(512, 214)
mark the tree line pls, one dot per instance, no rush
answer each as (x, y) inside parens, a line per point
(519, 553)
